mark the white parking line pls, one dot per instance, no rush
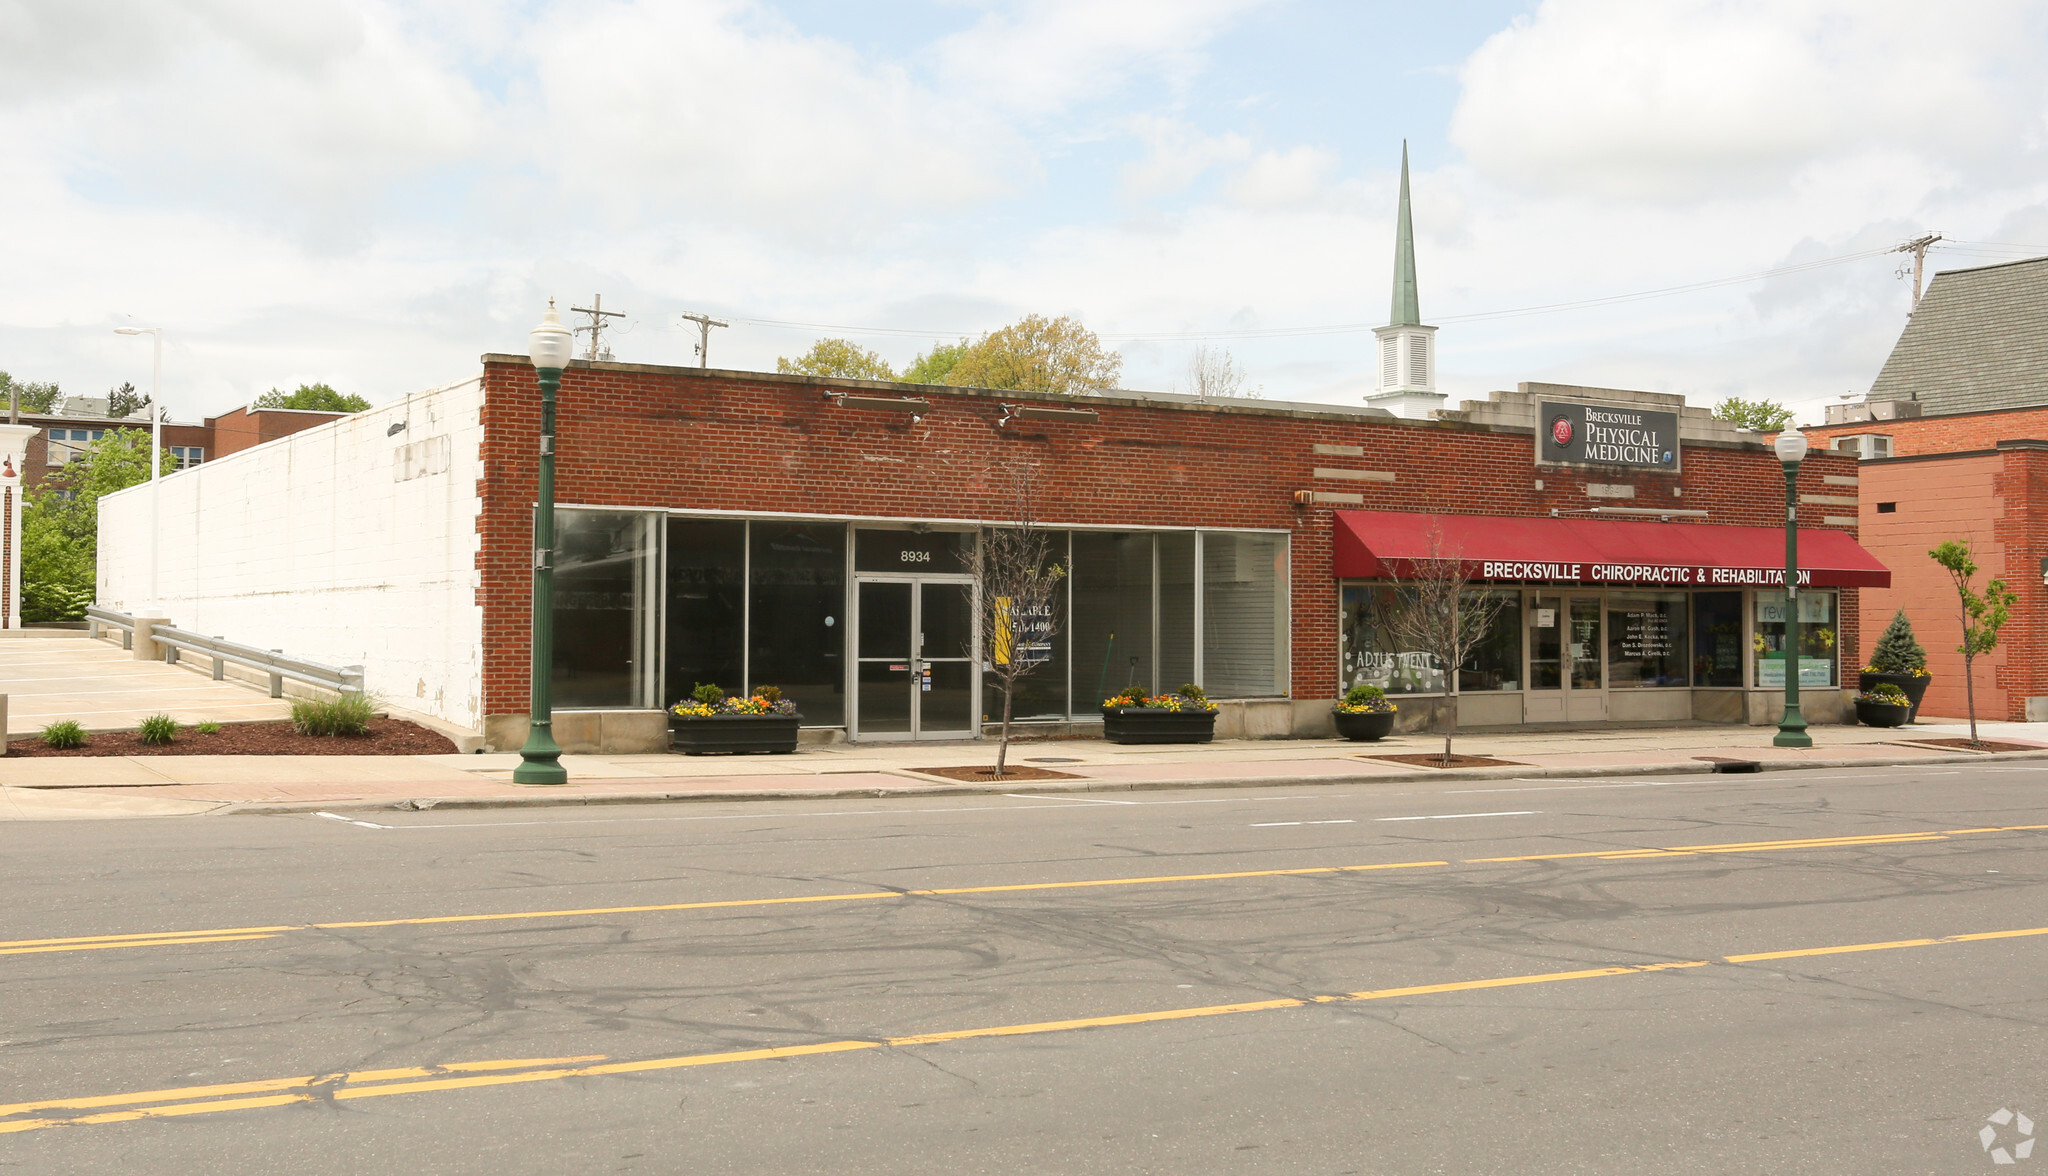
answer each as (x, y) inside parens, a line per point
(1455, 816)
(1087, 799)
(1278, 824)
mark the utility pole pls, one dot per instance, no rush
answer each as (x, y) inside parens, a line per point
(704, 324)
(1918, 247)
(596, 325)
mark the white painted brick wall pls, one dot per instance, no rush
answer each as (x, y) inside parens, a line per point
(311, 545)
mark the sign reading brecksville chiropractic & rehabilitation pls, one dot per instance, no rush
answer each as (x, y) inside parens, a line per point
(1606, 435)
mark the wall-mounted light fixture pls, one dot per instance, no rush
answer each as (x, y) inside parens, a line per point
(1662, 516)
(1040, 412)
(916, 406)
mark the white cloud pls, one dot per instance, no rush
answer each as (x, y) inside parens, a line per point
(1691, 99)
(1285, 179)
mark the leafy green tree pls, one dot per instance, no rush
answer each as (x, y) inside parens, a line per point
(30, 397)
(1983, 616)
(1765, 416)
(837, 357)
(125, 401)
(316, 397)
(932, 367)
(1038, 354)
(60, 523)
(1898, 651)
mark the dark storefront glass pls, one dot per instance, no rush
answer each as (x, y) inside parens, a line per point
(1176, 609)
(1112, 615)
(798, 635)
(1496, 662)
(1546, 643)
(1372, 658)
(1244, 614)
(706, 606)
(601, 610)
(916, 553)
(1646, 640)
(1717, 639)
(1041, 693)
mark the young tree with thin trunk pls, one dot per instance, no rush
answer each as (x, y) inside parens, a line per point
(1436, 610)
(1982, 616)
(1019, 613)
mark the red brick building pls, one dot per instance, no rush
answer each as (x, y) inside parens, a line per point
(745, 528)
(1954, 442)
(60, 437)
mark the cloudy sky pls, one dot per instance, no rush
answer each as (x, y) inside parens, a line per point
(372, 195)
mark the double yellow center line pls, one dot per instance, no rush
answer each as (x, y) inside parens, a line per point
(102, 1109)
(240, 934)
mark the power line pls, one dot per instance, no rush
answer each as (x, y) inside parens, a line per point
(704, 324)
(1354, 328)
(596, 326)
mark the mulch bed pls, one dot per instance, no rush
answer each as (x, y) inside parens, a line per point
(386, 737)
(1436, 760)
(1982, 745)
(986, 774)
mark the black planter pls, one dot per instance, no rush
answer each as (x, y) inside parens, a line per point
(1364, 728)
(1879, 714)
(1914, 685)
(1141, 724)
(733, 734)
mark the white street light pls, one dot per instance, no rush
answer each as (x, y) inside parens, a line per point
(1791, 446)
(156, 448)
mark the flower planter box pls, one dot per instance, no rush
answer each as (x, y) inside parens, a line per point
(1915, 686)
(1144, 724)
(733, 734)
(1878, 714)
(1366, 727)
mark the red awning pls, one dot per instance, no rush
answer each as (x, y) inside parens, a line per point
(1378, 544)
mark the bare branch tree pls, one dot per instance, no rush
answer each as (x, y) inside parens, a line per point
(1212, 373)
(1020, 598)
(1437, 611)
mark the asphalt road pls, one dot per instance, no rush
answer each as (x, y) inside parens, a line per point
(1539, 977)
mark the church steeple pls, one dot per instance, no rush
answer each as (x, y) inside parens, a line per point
(1407, 310)
(1407, 375)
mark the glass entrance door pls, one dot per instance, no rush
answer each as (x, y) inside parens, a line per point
(915, 661)
(1565, 664)
(1587, 698)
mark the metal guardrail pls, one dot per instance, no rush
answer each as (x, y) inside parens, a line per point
(176, 642)
(97, 618)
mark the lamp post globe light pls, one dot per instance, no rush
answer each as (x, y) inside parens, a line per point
(540, 761)
(1791, 447)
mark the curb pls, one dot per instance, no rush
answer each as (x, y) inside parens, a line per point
(548, 799)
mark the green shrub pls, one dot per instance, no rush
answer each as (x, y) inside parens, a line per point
(768, 693)
(349, 714)
(64, 735)
(209, 727)
(1898, 652)
(1363, 693)
(708, 694)
(1190, 690)
(158, 729)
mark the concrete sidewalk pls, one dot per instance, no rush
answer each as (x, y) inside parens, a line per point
(67, 675)
(129, 786)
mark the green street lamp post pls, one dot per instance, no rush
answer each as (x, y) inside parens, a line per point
(549, 346)
(1791, 447)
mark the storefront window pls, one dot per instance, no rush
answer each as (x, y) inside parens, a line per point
(1042, 693)
(707, 563)
(1112, 615)
(798, 597)
(1496, 662)
(1372, 658)
(1244, 614)
(1817, 638)
(604, 564)
(1717, 639)
(1646, 640)
(1176, 609)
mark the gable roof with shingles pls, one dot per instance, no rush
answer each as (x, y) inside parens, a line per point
(1978, 340)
